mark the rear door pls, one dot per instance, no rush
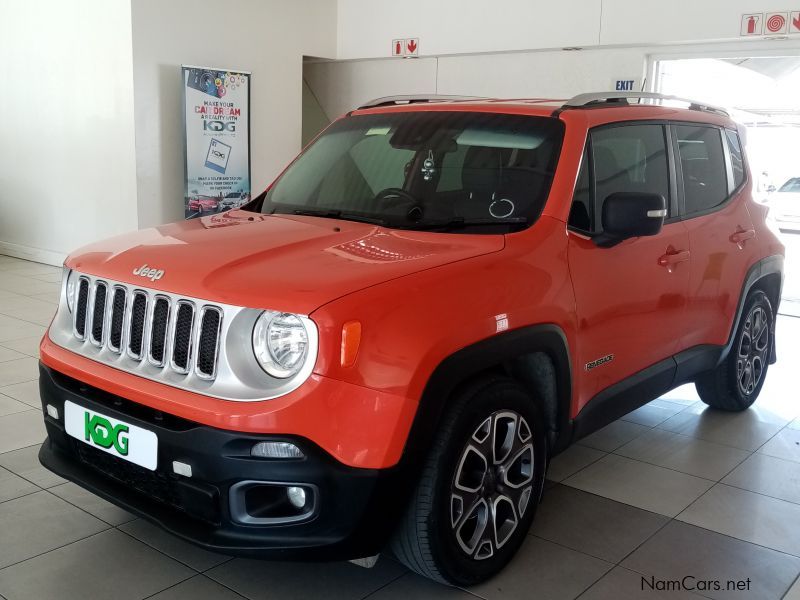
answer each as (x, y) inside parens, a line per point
(631, 298)
(713, 193)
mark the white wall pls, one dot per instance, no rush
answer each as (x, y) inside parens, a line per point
(366, 27)
(514, 48)
(67, 164)
(341, 86)
(269, 39)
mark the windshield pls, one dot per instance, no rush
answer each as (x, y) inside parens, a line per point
(793, 185)
(454, 171)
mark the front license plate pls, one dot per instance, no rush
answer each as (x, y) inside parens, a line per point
(123, 440)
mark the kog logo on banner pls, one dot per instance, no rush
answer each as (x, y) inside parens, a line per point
(219, 126)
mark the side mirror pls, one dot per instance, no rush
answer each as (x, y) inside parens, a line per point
(771, 189)
(630, 214)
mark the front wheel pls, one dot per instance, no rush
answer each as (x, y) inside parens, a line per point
(736, 382)
(479, 488)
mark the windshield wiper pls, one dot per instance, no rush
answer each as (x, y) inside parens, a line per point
(338, 214)
(458, 222)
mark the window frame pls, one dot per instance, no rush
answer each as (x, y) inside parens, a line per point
(745, 166)
(673, 206)
(733, 191)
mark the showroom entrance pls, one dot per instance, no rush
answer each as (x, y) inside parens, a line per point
(763, 94)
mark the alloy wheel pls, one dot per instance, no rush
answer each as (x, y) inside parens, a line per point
(753, 349)
(492, 485)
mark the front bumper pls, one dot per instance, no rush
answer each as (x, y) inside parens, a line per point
(354, 512)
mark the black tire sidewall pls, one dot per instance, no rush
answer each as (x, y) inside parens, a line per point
(757, 298)
(454, 565)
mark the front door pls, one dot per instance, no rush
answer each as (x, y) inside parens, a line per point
(630, 298)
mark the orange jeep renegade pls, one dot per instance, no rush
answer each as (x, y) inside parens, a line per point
(384, 349)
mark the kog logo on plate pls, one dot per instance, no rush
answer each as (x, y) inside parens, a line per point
(101, 432)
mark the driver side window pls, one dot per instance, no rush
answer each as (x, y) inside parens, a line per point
(619, 158)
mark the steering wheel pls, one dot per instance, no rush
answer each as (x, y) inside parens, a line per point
(395, 196)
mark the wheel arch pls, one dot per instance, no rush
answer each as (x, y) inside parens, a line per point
(536, 356)
(765, 275)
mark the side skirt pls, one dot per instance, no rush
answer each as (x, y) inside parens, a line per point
(641, 388)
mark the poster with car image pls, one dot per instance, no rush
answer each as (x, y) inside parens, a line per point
(216, 117)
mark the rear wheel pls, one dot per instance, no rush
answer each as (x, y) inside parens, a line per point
(736, 382)
(479, 488)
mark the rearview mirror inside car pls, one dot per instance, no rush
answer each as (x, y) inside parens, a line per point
(630, 214)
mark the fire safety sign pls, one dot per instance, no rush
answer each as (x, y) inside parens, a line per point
(405, 47)
(752, 24)
(770, 24)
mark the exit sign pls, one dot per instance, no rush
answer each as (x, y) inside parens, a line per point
(625, 85)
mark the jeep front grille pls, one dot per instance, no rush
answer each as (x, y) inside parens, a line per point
(149, 324)
(199, 345)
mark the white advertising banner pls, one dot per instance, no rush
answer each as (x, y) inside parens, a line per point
(216, 119)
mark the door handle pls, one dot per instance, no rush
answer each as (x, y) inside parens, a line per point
(672, 258)
(740, 236)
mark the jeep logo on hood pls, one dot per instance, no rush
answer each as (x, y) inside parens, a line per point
(150, 273)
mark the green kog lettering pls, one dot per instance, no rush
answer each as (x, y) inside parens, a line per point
(101, 432)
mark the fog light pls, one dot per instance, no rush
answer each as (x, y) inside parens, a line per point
(297, 496)
(276, 450)
(52, 411)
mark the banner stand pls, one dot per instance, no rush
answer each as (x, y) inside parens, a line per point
(216, 125)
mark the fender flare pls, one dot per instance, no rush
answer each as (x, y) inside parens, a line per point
(771, 265)
(481, 356)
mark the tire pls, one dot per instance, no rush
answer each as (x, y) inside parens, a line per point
(449, 533)
(736, 382)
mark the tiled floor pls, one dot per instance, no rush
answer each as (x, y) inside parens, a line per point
(671, 490)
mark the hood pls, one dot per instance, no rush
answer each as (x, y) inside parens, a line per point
(283, 262)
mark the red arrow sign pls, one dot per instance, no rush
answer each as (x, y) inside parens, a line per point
(796, 21)
(412, 46)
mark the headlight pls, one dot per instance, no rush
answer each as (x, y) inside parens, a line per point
(72, 286)
(280, 343)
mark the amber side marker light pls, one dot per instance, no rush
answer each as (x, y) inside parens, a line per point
(351, 339)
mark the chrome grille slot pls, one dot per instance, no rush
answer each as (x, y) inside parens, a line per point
(136, 331)
(119, 300)
(81, 309)
(159, 326)
(208, 342)
(99, 312)
(182, 337)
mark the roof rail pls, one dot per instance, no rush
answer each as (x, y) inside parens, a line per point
(594, 99)
(415, 99)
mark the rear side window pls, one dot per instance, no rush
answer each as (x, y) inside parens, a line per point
(793, 185)
(705, 178)
(737, 158)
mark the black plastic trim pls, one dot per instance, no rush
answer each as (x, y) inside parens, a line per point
(623, 397)
(771, 265)
(485, 355)
(352, 505)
